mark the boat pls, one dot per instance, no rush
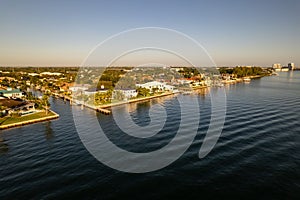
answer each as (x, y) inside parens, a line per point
(187, 92)
(246, 80)
(219, 85)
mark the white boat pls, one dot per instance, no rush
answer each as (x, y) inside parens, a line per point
(188, 92)
(246, 80)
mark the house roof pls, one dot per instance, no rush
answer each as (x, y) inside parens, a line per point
(10, 91)
(10, 103)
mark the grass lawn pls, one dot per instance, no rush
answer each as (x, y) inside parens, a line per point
(11, 120)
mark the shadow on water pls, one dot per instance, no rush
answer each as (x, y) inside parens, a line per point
(48, 131)
(3, 146)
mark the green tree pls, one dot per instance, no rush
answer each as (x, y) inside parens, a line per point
(118, 95)
(125, 83)
(155, 90)
(103, 97)
(45, 102)
(143, 92)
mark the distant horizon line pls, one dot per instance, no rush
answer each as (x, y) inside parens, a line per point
(61, 66)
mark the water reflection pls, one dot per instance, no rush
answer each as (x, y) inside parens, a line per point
(203, 92)
(131, 107)
(290, 76)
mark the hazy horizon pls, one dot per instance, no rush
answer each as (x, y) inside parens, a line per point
(59, 33)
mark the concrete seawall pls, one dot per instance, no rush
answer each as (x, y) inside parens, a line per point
(104, 108)
(135, 100)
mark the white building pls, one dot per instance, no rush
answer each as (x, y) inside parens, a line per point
(33, 74)
(93, 92)
(78, 88)
(285, 69)
(184, 81)
(160, 86)
(277, 66)
(128, 93)
(11, 93)
(50, 74)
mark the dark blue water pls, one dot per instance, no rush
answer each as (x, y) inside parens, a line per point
(256, 157)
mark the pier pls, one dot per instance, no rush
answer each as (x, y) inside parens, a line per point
(103, 111)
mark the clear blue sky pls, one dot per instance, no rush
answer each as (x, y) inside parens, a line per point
(241, 32)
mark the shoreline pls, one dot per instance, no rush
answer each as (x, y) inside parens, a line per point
(104, 108)
(239, 80)
(31, 121)
(137, 100)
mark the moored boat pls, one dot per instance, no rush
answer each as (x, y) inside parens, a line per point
(246, 80)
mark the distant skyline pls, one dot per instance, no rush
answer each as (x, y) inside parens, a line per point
(61, 33)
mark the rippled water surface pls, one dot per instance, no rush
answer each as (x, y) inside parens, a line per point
(256, 157)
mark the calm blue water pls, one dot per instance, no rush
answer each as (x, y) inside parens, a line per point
(256, 157)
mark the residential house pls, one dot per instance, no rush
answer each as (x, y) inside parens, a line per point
(128, 93)
(160, 86)
(11, 93)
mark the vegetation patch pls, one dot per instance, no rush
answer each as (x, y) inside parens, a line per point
(16, 119)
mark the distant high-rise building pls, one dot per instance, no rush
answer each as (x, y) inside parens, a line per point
(291, 66)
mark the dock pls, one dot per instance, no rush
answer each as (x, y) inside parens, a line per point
(103, 111)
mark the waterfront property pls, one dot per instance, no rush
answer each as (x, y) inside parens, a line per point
(278, 68)
(54, 147)
(155, 85)
(29, 118)
(11, 93)
(79, 87)
(17, 112)
(124, 94)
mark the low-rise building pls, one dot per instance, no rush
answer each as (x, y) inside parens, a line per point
(160, 86)
(50, 74)
(128, 93)
(285, 69)
(33, 74)
(11, 93)
(81, 87)
(277, 67)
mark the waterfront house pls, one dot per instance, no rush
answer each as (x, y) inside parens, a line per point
(94, 91)
(128, 93)
(160, 86)
(285, 69)
(24, 109)
(184, 81)
(11, 93)
(79, 87)
(10, 106)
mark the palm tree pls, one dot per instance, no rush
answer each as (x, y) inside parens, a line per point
(45, 102)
